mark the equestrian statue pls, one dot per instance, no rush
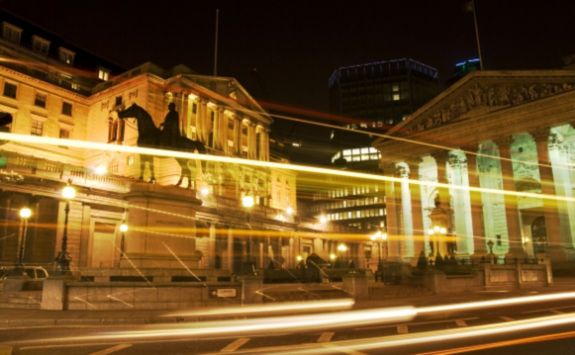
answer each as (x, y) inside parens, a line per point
(168, 136)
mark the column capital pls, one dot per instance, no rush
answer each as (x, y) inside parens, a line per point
(540, 134)
(504, 141)
(440, 156)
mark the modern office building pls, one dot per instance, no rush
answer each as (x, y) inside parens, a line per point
(382, 93)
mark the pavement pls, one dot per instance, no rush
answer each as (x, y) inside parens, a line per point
(14, 318)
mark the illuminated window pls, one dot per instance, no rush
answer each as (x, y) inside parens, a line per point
(103, 74)
(40, 100)
(396, 97)
(11, 32)
(66, 55)
(40, 45)
(37, 128)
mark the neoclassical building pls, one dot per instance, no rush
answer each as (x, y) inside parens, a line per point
(500, 145)
(55, 90)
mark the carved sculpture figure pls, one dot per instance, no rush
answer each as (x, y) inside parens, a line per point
(152, 137)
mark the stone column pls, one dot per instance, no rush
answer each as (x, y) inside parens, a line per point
(441, 158)
(416, 209)
(556, 244)
(223, 129)
(201, 120)
(511, 207)
(476, 202)
(212, 247)
(237, 135)
(251, 141)
(216, 125)
(230, 250)
(392, 202)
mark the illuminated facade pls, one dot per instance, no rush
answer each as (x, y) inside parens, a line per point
(491, 132)
(206, 226)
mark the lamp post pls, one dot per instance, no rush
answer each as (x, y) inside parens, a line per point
(63, 258)
(342, 248)
(248, 202)
(379, 237)
(123, 230)
(24, 213)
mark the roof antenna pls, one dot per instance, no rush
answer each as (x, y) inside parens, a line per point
(216, 42)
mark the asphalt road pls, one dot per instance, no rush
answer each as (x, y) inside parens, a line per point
(502, 330)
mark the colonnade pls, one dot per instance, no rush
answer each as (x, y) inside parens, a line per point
(230, 132)
(493, 192)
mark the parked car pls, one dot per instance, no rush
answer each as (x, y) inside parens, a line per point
(33, 272)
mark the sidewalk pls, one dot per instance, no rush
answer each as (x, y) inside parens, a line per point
(12, 318)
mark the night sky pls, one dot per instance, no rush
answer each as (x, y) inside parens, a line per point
(294, 46)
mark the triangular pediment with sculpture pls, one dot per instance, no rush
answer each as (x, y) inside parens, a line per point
(484, 92)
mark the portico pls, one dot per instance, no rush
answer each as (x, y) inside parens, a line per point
(497, 149)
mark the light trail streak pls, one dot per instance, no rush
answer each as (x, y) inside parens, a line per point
(496, 303)
(278, 308)
(248, 326)
(184, 265)
(505, 343)
(349, 319)
(263, 164)
(412, 339)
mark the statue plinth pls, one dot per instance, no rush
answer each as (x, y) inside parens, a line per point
(162, 228)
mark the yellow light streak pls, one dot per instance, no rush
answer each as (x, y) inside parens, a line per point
(500, 344)
(283, 307)
(496, 303)
(263, 164)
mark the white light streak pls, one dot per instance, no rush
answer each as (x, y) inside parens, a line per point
(283, 307)
(259, 163)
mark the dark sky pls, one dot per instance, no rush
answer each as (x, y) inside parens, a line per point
(296, 45)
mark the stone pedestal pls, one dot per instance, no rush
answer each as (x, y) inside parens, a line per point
(54, 294)
(356, 284)
(162, 223)
(251, 289)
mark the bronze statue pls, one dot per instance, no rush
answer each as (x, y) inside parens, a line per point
(151, 136)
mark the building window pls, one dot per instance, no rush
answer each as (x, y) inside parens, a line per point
(11, 32)
(396, 97)
(40, 100)
(66, 55)
(37, 128)
(40, 45)
(64, 133)
(118, 101)
(10, 90)
(67, 108)
(103, 74)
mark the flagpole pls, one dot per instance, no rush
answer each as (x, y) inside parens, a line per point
(477, 36)
(216, 42)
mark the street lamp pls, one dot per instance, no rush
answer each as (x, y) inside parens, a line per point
(24, 213)
(248, 202)
(63, 258)
(379, 237)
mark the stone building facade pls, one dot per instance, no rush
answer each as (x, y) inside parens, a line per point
(203, 227)
(496, 151)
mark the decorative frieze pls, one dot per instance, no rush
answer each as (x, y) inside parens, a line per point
(488, 96)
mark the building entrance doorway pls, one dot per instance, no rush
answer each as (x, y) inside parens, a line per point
(539, 235)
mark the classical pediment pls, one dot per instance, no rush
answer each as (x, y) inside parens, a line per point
(484, 92)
